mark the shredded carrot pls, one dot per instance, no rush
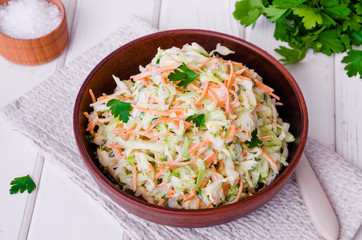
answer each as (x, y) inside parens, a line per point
(102, 98)
(144, 83)
(238, 64)
(124, 133)
(155, 112)
(92, 95)
(236, 97)
(204, 183)
(170, 57)
(213, 169)
(273, 95)
(172, 119)
(263, 86)
(221, 164)
(86, 114)
(195, 87)
(208, 60)
(151, 72)
(213, 96)
(134, 177)
(198, 203)
(164, 81)
(191, 196)
(240, 71)
(179, 164)
(171, 192)
(227, 103)
(91, 125)
(162, 184)
(198, 146)
(124, 98)
(161, 202)
(204, 88)
(124, 84)
(225, 188)
(207, 206)
(232, 132)
(240, 191)
(270, 160)
(157, 159)
(210, 159)
(231, 76)
(248, 73)
(160, 172)
(265, 137)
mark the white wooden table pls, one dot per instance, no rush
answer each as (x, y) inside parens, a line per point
(61, 210)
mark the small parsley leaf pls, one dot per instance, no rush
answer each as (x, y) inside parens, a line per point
(199, 195)
(185, 77)
(285, 4)
(248, 11)
(274, 13)
(310, 16)
(331, 42)
(291, 55)
(354, 62)
(255, 141)
(197, 119)
(89, 138)
(21, 184)
(120, 109)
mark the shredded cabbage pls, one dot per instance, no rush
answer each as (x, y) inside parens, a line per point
(240, 147)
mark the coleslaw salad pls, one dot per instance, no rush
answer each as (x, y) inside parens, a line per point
(193, 131)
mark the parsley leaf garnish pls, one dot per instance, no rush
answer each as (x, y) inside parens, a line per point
(354, 62)
(21, 184)
(327, 26)
(310, 16)
(121, 109)
(197, 119)
(199, 195)
(255, 141)
(248, 11)
(185, 77)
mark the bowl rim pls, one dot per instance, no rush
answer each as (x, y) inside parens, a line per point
(286, 173)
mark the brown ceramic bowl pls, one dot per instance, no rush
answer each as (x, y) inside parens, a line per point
(124, 62)
(38, 50)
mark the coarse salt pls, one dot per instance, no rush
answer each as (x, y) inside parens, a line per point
(28, 19)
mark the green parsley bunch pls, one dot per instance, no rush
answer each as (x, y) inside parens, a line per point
(327, 26)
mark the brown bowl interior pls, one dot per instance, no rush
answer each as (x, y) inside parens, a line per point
(38, 50)
(124, 62)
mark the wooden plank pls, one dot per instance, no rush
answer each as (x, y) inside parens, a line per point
(30, 202)
(315, 77)
(64, 211)
(15, 81)
(95, 20)
(212, 15)
(348, 114)
(17, 160)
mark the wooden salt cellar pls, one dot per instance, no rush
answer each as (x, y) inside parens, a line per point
(38, 50)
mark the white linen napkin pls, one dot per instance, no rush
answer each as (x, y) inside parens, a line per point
(45, 116)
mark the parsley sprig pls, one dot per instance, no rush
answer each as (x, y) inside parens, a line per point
(254, 141)
(327, 26)
(197, 119)
(185, 77)
(21, 184)
(120, 109)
